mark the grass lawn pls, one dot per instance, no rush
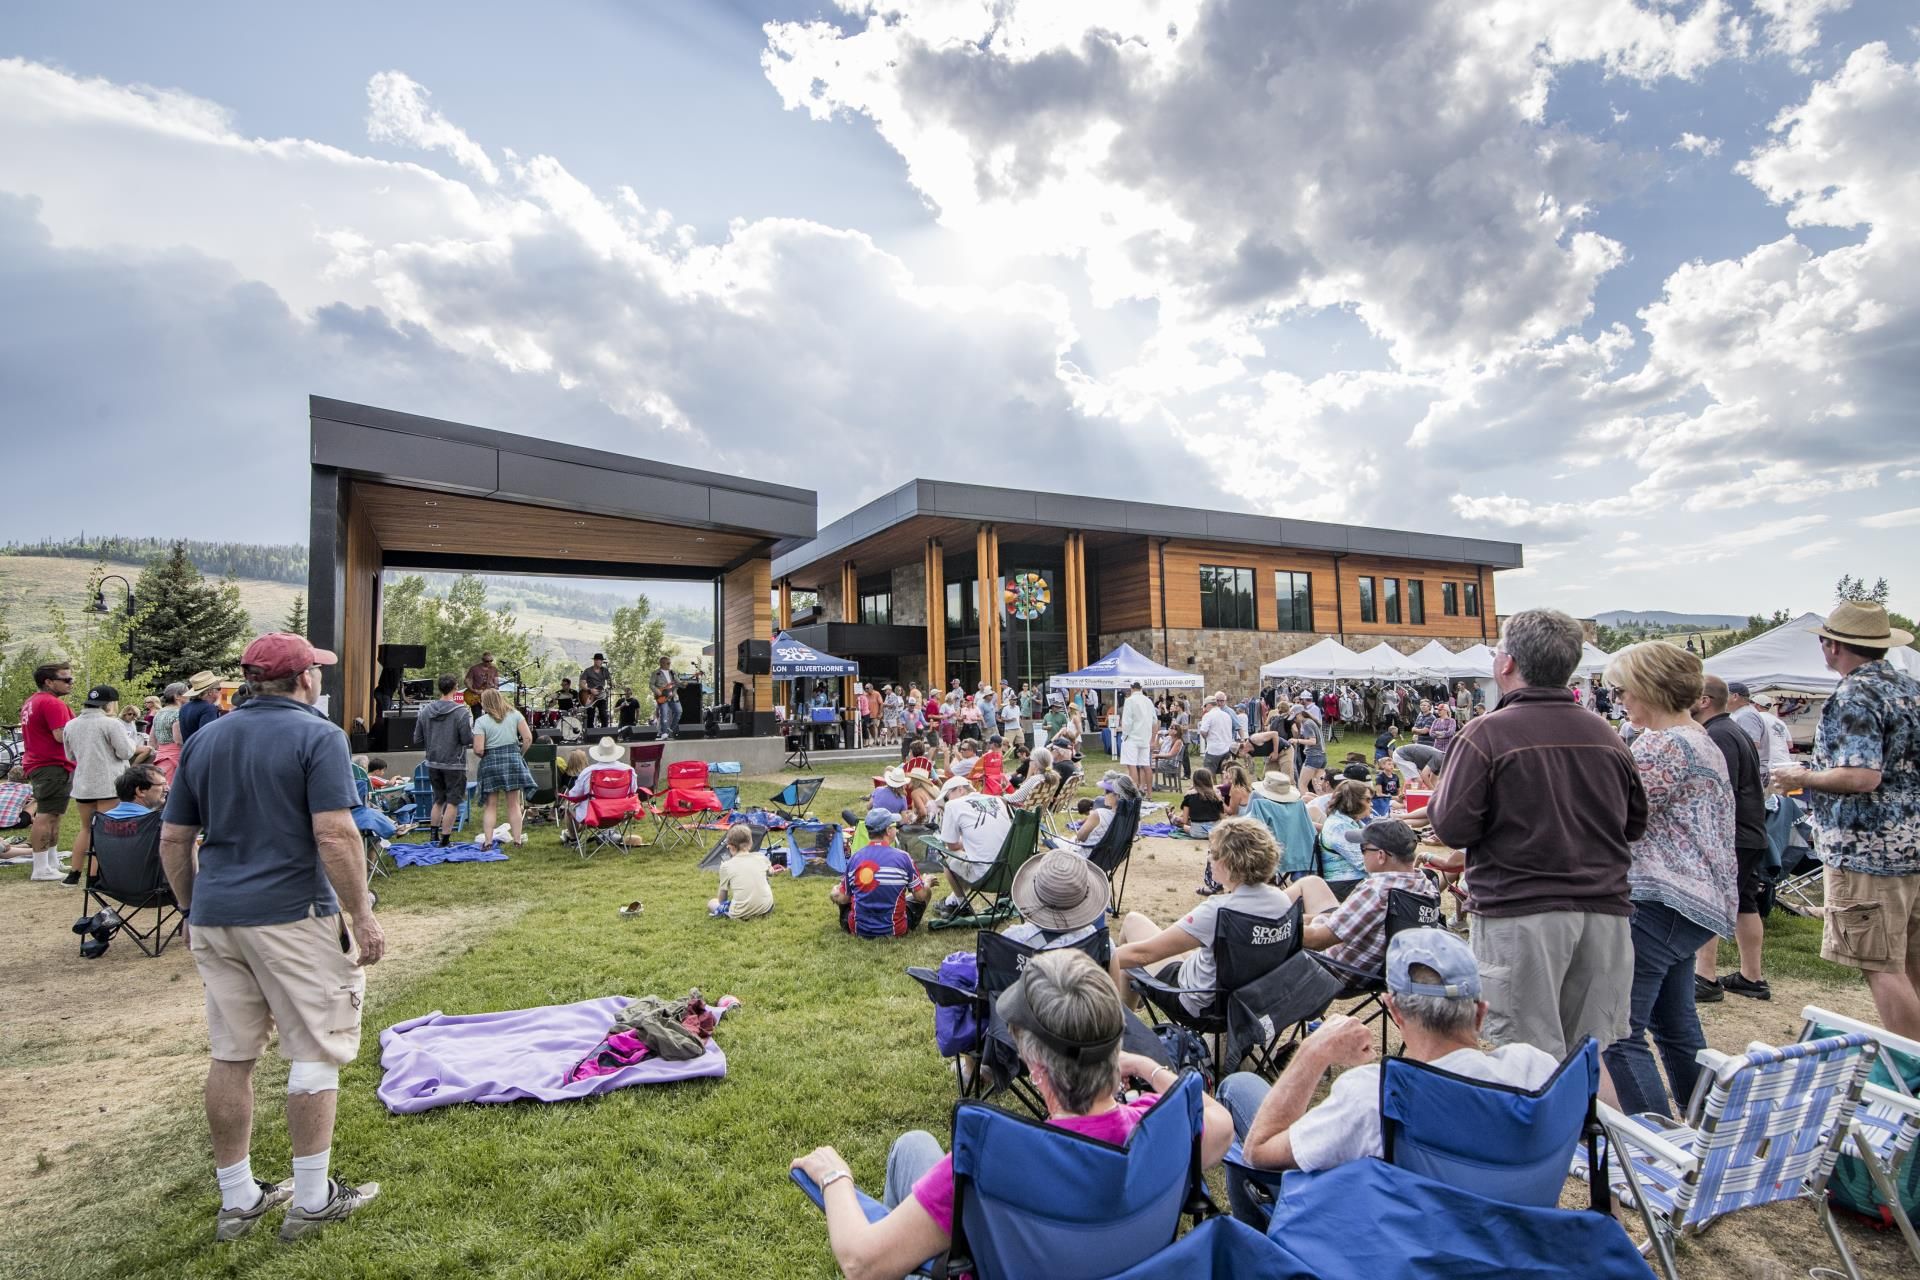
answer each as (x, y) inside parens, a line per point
(832, 1044)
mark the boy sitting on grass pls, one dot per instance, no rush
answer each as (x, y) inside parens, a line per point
(744, 889)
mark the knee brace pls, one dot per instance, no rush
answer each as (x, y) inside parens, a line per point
(312, 1077)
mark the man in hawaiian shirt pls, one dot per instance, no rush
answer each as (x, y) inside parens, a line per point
(1865, 791)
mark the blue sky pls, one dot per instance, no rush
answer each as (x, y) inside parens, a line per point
(1631, 282)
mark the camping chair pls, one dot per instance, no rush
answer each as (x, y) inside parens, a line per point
(1887, 1124)
(1113, 852)
(989, 774)
(613, 802)
(1268, 989)
(792, 801)
(687, 797)
(1033, 1199)
(922, 763)
(130, 880)
(1496, 1141)
(422, 790)
(1405, 910)
(647, 760)
(1764, 1126)
(1804, 891)
(543, 763)
(975, 911)
(718, 854)
(828, 841)
(1167, 773)
(375, 829)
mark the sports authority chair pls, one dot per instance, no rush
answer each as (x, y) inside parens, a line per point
(130, 882)
(613, 803)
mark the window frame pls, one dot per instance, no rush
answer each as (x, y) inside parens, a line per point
(1288, 611)
(1416, 602)
(1390, 601)
(1470, 599)
(1213, 590)
(1368, 589)
(1450, 599)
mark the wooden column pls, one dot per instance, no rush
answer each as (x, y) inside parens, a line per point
(936, 617)
(745, 597)
(986, 567)
(783, 606)
(849, 612)
(1074, 589)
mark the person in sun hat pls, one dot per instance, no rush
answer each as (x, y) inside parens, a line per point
(1865, 791)
(272, 787)
(1434, 997)
(201, 706)
(602, 755)
(1281, 808)
(98, 744)
(890, 791)
(1062, 900)
(1067, 1026)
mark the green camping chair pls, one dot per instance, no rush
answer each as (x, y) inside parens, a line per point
(986, 904)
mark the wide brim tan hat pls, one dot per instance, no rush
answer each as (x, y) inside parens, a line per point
(895, 777)
(1863, 623)
(1275, 785)
(1060, 890)
(606, 751)
(201, 681)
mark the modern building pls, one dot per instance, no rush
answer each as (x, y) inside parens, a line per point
(396, 491)
(1068, 577)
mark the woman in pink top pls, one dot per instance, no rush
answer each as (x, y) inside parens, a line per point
(1063, 996)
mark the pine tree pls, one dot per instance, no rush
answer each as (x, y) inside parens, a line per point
(188, 623)
(636, 645)
(296, 623)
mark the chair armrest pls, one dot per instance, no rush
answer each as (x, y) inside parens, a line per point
(1883, 1096)
(1141, 978)
(945, 994)
(1887, 1039)
(1625, 1129)
(1236, 1158)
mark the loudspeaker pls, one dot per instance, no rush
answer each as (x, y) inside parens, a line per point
(403, 655)
(755, 658)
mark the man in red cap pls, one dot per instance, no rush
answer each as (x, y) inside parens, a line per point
(272, 786)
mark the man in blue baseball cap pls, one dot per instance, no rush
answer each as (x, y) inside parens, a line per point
(1433, 996)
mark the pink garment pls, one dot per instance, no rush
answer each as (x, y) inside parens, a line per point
(934, 1191)
(622, 1050)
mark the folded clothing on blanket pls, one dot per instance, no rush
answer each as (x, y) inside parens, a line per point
(517, 1055)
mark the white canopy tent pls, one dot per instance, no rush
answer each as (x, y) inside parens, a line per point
(1431, 657)
(1389, 663)
(1787, 659)
(1327, 660)
(1593, 661)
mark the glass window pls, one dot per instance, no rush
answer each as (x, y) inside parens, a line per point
(1390, 594)
(1416, 602)
(1367, 610)
(876, 608)
(1473, 598)
(1293, 598)
(1226, 598)
(1450, 599)
(963, 607)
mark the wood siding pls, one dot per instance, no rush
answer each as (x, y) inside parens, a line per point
(1126, 593)
(747, 597)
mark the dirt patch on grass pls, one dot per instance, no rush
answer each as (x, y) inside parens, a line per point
(1780, 1242)
(95, 1049)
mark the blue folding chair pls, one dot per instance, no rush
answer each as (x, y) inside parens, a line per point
(1048, 1201)
(1496, 1141)
(800, 861)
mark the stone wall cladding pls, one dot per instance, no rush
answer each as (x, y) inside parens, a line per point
(830, 601)
(910, 595)
(1230, 661)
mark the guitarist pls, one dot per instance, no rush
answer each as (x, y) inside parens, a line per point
(594, 681)
(666, 698)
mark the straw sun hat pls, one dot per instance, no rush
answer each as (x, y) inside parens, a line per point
(1862, 623)
(1060, 890)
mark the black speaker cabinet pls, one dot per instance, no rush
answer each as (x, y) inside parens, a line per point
(403, 655)
(755, 657)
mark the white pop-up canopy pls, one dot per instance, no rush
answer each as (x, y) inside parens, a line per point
(1472, 663)
(1788, 659)
(1124, 667)
(1593, 660)
(1431, 658)
(1389, 663)
(1327, 660)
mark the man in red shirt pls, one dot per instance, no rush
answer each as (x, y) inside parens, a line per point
(43, 727)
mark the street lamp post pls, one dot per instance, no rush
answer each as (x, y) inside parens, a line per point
(100, 606)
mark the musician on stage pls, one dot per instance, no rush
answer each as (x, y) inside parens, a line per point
(481, 676)
(627, 709)
(594, 680)
(563, 699)
(666, 698)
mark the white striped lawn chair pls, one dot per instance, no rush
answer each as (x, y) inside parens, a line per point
(1886, 1128)
(1766, 1126)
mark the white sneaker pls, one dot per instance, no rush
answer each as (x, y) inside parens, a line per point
(45, 868)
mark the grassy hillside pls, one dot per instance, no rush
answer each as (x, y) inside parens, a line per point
(29, 583)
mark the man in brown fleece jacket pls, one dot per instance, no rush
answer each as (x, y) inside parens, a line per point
(1544, 798)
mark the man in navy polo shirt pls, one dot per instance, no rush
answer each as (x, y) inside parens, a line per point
(272, 786)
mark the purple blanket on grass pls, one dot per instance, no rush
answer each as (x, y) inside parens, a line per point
(512, 1056)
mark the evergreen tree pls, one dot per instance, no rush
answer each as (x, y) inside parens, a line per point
(187, 624)
(296, 623)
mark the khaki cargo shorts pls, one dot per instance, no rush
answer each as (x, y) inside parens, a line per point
(1873, 922)
(298, 977)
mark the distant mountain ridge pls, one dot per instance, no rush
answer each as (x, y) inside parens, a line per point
(1666, 618)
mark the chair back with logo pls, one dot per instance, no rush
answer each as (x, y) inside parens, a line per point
(611, 796)
(989, 775)
(130, 879)
(687, 790)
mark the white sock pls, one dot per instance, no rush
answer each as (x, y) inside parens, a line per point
(310, 1180)
(238, 1190)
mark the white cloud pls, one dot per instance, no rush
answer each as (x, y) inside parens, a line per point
(1793, 26)
(1696, 143)
(1893, 519)
(397, 112)
(1815, 549)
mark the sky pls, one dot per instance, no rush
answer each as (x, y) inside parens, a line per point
(1635, 283)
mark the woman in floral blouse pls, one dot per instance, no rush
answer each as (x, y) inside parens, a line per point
(1683, 877)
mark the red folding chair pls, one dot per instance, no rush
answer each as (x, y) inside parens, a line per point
(686, 798)
(922, 763)
(613, 803)
(989, 775)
